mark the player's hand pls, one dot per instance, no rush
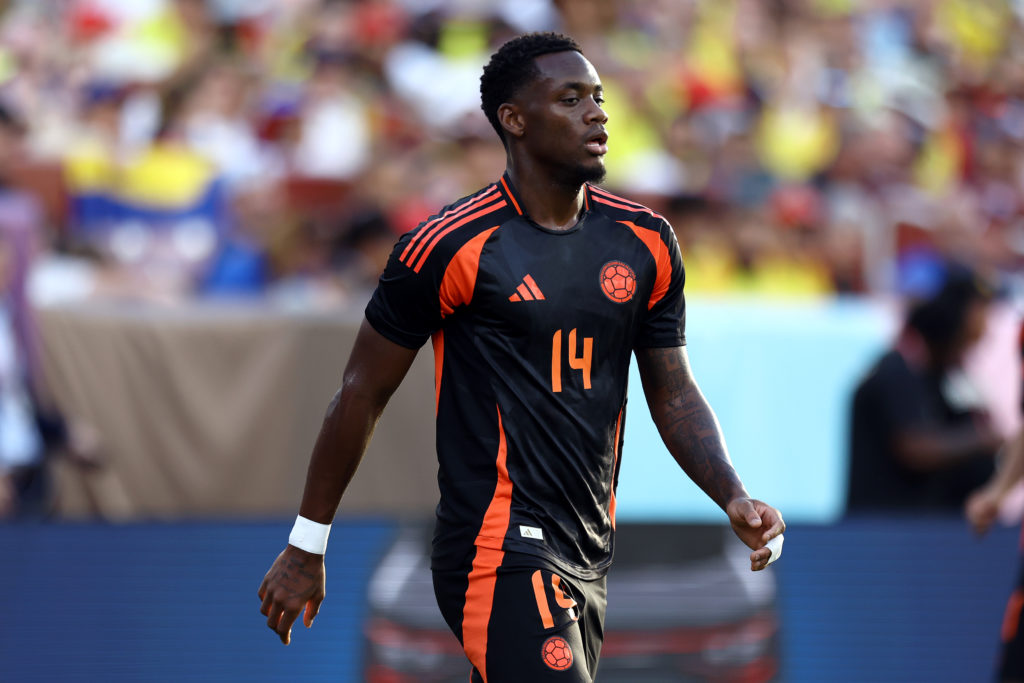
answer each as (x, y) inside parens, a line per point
(982, 508)
(296, 580)
(755, 523)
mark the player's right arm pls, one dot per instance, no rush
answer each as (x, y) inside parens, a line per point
(375, 368)
(406, 309)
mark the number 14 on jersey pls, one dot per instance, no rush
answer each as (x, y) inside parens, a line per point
(577, 361)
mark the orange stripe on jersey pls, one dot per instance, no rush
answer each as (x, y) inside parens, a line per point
(606, 197)
(476, 614)
(459, 279)
(511, 196)
(425, 232)
(652, 239)
(534, 289)
(524, 292)
(491, 208)
(542, 600)
(615, 464)
(437, 341)
(426, 238)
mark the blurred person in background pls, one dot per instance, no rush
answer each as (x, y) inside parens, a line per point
(30, 426)
(22, 484)
(921, 436)
(529, 415)
(982, 509)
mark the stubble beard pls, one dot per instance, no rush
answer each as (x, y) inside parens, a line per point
(577, 175)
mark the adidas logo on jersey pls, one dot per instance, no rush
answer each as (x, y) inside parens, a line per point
(527, 291)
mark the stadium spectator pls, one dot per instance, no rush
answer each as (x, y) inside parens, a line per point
(920, 435)
(21, 443)
(30, 427)
(850, 133)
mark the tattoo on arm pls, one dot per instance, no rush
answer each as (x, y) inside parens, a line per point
(687, 424)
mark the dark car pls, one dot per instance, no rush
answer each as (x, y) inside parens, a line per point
(683, 605)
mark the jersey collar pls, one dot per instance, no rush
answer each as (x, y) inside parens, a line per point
(507, 189)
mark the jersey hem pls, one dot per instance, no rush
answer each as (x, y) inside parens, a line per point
(579, 571)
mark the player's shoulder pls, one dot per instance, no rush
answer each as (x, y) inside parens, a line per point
(621, 209)
(441, 235)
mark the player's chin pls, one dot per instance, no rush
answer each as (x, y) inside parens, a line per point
(592, 170)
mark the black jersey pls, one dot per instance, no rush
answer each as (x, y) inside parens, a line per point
(532, 332)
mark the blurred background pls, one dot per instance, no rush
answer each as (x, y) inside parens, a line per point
(196, 199)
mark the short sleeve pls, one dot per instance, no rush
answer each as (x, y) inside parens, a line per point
(665, 322)
(405, 308)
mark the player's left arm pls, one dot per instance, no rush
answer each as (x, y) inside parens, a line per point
(691, 432)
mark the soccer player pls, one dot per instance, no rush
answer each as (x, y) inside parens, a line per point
(535, 291)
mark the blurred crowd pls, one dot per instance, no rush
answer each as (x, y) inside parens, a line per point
(169, 148)
(273, 150)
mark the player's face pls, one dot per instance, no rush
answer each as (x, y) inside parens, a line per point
(563, 119)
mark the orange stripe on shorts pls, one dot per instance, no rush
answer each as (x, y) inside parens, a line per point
(542, 600)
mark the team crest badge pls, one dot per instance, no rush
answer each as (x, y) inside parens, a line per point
(556, 653)
(618, 282)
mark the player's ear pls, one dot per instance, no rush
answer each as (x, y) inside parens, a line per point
(511, 119)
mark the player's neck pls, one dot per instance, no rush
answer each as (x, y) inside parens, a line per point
(549, 203)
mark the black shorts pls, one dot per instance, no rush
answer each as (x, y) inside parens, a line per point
(519, 619)
(1011, 664)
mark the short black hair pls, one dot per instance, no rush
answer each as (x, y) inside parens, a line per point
(512, 67)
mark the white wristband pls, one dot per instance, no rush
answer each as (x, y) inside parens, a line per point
(309, 535)
(775, 545)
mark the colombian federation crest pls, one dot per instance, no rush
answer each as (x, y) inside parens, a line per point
(618, 281)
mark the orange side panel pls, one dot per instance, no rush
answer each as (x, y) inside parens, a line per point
(460, 277)
(476, 613)
(652, 240)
